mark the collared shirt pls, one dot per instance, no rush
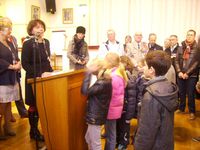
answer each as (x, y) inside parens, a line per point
(172, 48)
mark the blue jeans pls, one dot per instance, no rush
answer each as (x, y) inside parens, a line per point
(110, 134)
(187, 87)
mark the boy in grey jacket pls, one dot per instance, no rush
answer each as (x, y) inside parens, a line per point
(156, 122)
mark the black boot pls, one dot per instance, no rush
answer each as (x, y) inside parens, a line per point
(34, 132)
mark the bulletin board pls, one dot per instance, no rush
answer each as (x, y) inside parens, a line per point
(58, 42)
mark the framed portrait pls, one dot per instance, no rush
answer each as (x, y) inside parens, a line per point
(35, 12)
(67, 15)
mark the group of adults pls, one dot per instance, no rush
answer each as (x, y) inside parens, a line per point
(185, 58)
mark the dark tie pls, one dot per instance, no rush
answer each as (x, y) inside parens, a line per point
(138, 46)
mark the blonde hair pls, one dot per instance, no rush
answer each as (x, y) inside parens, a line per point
(141, 63)
(100, 64)
(5, 23)
(113, 60)
(126, 61)
(123, 73)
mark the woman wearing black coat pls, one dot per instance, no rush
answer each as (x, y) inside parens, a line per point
(35, 47)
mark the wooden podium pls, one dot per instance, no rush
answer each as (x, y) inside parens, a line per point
(61, 110)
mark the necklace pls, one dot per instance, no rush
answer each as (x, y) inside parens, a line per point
(7, 46)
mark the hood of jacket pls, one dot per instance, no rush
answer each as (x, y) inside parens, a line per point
(164, 92)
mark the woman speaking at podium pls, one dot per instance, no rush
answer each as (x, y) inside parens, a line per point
(36, 63)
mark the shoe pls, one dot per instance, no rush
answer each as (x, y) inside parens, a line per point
(192, 116)
(103, 136)
(36, 135)
(12, 118)
(121, 147)
(8, 132)
(197, 139)
(24, 116)
(180, 112)
(2, 138)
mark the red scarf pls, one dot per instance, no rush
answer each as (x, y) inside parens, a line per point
(188, 47)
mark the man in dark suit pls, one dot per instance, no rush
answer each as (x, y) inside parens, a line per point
(173, 48)
(152, 43)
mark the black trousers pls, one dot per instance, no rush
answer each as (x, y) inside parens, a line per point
(123, 131)
(20, 103)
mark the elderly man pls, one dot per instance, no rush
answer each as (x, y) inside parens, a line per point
(152, 43)
(111, 45)
(137, 49)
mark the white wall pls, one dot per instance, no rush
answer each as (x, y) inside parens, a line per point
(164, 17)
(2, 7)
(19, 11)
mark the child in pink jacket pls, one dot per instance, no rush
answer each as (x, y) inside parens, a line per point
(119, 81)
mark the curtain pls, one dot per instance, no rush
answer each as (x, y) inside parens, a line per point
(163, 17)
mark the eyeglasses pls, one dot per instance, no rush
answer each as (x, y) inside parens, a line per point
(7, 28)
(190, 34)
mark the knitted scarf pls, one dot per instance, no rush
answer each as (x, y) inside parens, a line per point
(187, 47)
(78, 44)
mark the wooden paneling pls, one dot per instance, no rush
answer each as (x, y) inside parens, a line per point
(62, 109)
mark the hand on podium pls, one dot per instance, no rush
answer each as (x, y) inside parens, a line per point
(46, 74)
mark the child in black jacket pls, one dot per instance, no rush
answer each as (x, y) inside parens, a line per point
(130, 104)
(99, 95)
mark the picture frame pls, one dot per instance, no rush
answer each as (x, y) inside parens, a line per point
(35, 12)
(67, 15)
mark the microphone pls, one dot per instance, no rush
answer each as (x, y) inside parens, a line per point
(37, 34)
(29, 38)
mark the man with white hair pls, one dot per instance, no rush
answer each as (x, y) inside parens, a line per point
(137, 49)
(111, 45)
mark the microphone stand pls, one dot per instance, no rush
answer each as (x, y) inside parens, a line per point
(34, 88)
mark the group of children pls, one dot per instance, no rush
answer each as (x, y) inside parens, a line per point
(123, 91)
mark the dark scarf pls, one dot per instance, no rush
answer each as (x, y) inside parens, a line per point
(187, 47)
(78, 44)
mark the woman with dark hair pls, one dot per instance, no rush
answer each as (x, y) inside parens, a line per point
(35, 53)
(78, 50)
(128, 39)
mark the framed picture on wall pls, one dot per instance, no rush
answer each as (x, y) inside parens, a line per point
(67, 15)
(35, 12)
